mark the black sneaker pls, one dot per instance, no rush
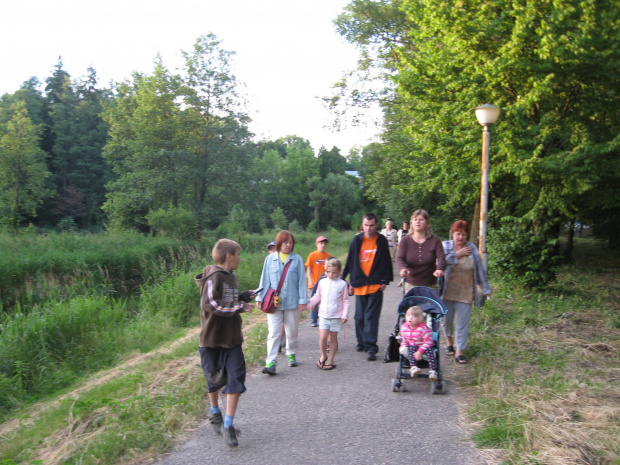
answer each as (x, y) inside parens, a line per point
(230, 436)
(359, 348)
(216, 421)
(371, 356)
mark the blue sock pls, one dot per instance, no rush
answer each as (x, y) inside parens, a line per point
(215, 409)
(228, 421)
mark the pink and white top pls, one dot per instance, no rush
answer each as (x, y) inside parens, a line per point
(420, 336)
(334, 297)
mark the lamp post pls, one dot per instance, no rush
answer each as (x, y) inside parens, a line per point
(487, 114)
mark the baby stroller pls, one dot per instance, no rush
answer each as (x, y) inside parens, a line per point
(434, 309)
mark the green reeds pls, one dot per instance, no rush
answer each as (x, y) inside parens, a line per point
(34, 269)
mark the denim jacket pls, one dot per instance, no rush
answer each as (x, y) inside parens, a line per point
(480, 278)
(294, 291)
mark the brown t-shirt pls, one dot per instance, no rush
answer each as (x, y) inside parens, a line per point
(421, 260)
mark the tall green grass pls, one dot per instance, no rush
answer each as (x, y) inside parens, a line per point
(59, 341)
(129, 407)
(34, 269)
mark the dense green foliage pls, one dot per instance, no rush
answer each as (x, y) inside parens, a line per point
(34, 269)
(22, 168)
(157, 144)
(76, 316)
(552, 66)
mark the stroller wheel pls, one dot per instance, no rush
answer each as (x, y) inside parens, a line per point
(398, 386)
(438, 388)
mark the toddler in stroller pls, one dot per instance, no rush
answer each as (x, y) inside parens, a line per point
(418, 339)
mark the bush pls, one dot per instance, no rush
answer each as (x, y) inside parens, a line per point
(278, 218)
(522, 254)
(295, 227)
(173, 222)
(314, 226)
(67, 225)
(356, 221)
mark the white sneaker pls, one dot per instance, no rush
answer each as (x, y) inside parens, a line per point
(415, 371)
(432, 374)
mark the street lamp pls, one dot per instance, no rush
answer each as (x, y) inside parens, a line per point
(487, 114)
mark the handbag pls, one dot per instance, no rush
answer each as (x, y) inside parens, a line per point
(480, 297)
(392, 353)
(269, 302)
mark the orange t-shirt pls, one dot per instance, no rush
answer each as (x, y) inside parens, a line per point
(368, 251)
(316, 263)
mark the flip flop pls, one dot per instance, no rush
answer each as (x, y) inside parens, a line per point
(461, 360)
(329, 367)
(450, 350)
(320, 365)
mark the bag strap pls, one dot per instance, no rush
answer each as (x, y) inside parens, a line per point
(286, 267)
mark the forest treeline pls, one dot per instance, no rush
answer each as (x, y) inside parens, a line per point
(171, 153)
(161, 152)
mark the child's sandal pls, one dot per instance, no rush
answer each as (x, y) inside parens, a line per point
(320, 365)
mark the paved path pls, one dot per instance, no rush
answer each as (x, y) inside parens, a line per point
(348, 415)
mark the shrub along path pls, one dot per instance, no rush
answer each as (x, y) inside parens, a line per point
(304, 415)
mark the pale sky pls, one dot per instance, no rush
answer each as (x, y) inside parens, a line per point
(287, 52)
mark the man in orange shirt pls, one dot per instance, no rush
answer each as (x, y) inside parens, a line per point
(370, 266)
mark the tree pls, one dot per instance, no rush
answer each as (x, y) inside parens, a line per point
(145, 149)
(74, 135)
(551, 67)
(299, 166)
(22, 167)
(335, 199)
(331, 162)
(180, 140)
(219, 134)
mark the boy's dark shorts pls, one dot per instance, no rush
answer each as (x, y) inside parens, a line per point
(231, 360)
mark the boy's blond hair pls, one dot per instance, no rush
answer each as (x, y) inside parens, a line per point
(332, 261)
(223, 247)
(415, 311)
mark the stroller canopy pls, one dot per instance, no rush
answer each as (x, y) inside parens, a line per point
(425, 298)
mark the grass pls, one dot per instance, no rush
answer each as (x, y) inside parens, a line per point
(35, 269)
(544, 373)
(149, 400)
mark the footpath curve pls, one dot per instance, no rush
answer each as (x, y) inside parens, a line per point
(348, 415)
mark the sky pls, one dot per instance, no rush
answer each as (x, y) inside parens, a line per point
(288, 53)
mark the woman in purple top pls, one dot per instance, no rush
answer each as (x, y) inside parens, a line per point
(420, 257)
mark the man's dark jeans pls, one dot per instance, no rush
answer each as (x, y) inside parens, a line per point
(367, 313)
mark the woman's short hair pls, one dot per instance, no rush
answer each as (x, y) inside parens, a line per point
(222, 247)
(427, 217)
(460, 225)
(282, 237)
